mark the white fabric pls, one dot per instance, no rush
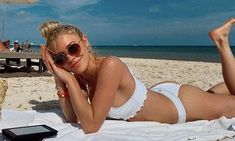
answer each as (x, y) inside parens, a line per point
(115, 130)
(171, 90)
(133, 105)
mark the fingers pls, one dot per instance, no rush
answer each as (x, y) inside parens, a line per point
(57, 71)
(59, 82)
(52, 66)
(45, 55)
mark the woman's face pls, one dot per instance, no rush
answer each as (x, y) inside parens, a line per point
(70, 52)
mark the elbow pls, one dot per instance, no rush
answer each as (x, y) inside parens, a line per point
(91, 129)
(71, 119)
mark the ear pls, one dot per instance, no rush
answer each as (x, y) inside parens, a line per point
(85, 40)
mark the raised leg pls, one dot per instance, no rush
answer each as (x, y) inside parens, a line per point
(219, 88)
(220, 37)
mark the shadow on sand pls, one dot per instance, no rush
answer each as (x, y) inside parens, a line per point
(44, 105)
(21, 71)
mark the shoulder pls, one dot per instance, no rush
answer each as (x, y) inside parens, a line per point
(111, 61)
(112, 65)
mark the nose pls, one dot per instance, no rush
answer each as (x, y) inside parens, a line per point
(70, 58)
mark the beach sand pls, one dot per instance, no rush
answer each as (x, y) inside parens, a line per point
(37, 91)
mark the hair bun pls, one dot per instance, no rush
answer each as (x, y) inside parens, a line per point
(47, 27)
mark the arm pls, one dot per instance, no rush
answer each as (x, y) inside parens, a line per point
(65, 102)
(92, 115)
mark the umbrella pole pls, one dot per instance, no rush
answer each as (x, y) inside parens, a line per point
(3, 23)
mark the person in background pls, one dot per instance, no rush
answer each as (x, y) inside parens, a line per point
(29, 48)
(26, 46)
(16, 47)
(5, 45)
(91, 88)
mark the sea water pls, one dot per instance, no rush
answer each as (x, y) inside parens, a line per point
(187, 53)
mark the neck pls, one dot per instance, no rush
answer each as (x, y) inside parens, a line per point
(92, 69)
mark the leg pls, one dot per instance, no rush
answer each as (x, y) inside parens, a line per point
(40, 66)
(219, 88)
(220, 38)
(202, 105)
(18, 61)
(7, 61)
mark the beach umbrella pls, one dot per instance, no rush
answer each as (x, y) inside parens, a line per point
(18, 1)
(12, 2)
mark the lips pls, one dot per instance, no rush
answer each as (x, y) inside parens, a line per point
(76, 62)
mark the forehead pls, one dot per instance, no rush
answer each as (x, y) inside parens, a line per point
(61, 42)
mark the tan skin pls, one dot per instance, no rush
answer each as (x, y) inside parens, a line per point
(112, 85)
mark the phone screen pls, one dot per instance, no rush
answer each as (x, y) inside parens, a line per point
(29, 130)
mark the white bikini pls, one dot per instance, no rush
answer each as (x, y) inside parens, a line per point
(136, 101)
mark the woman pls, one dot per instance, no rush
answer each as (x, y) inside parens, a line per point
(91, 88)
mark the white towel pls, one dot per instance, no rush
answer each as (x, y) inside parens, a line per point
(114, 130)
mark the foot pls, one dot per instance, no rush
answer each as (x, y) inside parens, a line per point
(220, 35)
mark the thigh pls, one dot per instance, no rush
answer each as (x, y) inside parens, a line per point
(200, 104)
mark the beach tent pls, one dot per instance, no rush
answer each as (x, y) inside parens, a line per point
(3, 2)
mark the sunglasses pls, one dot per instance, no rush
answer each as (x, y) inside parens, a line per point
(62, 58)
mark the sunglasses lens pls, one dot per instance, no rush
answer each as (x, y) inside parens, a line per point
(73, 49)
(60, 59)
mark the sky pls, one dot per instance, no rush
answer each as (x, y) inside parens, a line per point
(121, 22)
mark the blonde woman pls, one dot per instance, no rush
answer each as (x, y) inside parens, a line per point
(91, 88)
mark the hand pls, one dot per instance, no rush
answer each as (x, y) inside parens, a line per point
(43, 51)
(58, 72)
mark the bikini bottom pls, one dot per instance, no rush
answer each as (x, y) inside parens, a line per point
(170, 90)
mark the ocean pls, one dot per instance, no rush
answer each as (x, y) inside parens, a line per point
(187, 53)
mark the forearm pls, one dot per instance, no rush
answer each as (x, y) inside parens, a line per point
(67, 109)
(82, 108)
(65, 102)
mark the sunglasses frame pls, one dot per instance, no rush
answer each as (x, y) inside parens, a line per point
(61, 58)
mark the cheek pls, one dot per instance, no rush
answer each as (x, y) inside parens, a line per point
(82, 66)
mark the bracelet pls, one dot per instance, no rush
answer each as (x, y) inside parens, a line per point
(58, 88)
(62, 93)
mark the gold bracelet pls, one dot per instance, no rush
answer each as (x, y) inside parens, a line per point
(64, 94)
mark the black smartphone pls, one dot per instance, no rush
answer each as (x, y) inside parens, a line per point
(29, 133)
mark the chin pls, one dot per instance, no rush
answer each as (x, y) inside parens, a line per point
(81, 66)
(79, 69)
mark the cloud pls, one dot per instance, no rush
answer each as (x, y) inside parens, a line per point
(71, 4)
(154, 9)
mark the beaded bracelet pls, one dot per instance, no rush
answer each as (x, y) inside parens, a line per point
(62, 93)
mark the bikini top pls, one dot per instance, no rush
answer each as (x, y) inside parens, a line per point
(133, 105)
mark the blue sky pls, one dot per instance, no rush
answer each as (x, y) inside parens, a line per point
(122, 22)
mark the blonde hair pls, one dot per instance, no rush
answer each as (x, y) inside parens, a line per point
(52, 29)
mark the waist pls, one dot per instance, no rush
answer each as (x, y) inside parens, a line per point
(133, 104)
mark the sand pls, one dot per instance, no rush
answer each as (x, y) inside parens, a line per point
(37, 91)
